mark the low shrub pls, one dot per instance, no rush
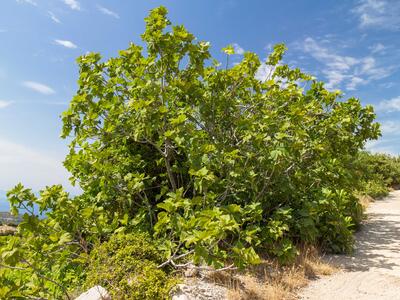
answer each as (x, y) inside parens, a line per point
(376, 188)
(378, 173)
(126, 266)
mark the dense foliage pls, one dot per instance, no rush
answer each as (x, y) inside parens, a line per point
(127, 266)
(215, 163)
(378, 173)
(47, 256)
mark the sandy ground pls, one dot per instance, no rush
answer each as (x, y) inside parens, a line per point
(373, 270)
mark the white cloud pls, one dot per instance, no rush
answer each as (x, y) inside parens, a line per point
(20, 163)
(382, 146)
(373, 72)
(31, 2)
(54, 18)
(390, 127)
(378, 14)
(264, 72)
(341, 69)
(39, 87)
(73, 4)
(388, 106)
(238, 50)
(65, 43)
(388, 85)
(377, 48)
(334, 77)
(107, 11)
(354, 82)
(4, 104)
(334, 61)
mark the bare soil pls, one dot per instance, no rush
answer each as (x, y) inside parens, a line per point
(373, 270)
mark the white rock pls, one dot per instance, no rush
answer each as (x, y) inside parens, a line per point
(180, 297)
(179, 293)
(199, 290)
(95, 293)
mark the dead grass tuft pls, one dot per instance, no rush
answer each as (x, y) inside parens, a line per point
(365, 200)
(257, 290)
(271, 281)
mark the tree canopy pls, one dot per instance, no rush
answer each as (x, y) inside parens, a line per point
(217, 164)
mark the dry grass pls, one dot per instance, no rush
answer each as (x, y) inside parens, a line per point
(271, 281)
(365, 200)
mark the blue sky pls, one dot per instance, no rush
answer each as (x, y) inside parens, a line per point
(351, 45)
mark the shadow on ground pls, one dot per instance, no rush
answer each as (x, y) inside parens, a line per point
(377, 242)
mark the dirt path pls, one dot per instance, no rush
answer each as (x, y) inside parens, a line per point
(373, 271)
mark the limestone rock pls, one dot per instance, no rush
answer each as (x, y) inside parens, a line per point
(199, 290)
(95, 293)
(7, 230)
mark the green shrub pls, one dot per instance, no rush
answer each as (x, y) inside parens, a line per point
(126, 266)
(330, 220)
(218, 163)
(377, 173)
(209, 156)
(376, 188)
(4, 240)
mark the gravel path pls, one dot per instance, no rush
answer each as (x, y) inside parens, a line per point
(373, 271)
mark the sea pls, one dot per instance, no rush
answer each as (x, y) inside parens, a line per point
(6, 217)
(4, 206)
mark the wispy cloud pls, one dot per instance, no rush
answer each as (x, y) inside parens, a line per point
(264, 72)
(341, 69)
(378, 48)
(73, 4)
(54, 18)
(368, 67)
(383, 145)
(390, 127)
(378, 14)
(324, 54)
(388, 85)
(39, 87)
(31, 2)
(4, 104)
(388, 106)
(34, 102)
(238, 49)
(354, 82)
(65, 43)
(107, 12)
(21, 163)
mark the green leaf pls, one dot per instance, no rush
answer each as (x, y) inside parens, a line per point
(65, 238)
(229, 50)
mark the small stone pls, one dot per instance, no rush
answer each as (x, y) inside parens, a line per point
(198, 290)
(95, 293)
(180, 297)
